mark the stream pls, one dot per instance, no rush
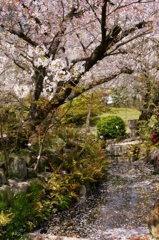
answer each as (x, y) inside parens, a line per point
(118, 210)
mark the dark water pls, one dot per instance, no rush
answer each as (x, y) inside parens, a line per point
(119, 209)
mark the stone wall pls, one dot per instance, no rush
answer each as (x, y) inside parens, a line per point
(120, 150)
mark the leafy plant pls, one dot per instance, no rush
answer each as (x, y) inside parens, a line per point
(85, 162)
(80, 106)
(134, 152)
(24, 237)
(2, 159)
(5, 218)
(23, 212)
(64, 201)
(155, 133)
(111, 127)
(145, 129)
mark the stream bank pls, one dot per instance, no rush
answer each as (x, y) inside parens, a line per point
(118, 210)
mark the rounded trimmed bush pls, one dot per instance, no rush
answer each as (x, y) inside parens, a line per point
(111, 127)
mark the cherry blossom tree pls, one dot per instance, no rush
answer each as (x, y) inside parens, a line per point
(61, 48)
(146, 74)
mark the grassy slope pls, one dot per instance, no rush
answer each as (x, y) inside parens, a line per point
(125, 113)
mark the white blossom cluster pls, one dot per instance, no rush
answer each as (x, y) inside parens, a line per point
(28, 38)
(21, 91)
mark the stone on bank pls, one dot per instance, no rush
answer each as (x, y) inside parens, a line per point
(153, 220)
(17, 168)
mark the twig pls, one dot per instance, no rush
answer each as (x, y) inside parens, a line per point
(46, 130)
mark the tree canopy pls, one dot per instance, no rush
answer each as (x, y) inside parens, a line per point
(61, 48)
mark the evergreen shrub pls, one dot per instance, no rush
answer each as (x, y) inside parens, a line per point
(111, 127)
(79, 109)
(23, 212)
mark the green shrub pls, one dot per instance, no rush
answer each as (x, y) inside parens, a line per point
(144, 130)
(84, 163)
(111, 127)
(78, 112)
(22, 212)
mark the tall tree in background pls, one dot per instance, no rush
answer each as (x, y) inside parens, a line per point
(62, 48)
(146, 73)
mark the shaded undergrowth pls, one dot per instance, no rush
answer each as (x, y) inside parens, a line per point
(80, 161)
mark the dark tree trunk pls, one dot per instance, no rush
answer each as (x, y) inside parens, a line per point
(146, 108)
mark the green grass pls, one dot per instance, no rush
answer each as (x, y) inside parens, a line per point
(125, 113)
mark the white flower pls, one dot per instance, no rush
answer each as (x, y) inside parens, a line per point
(56, 65)
(38, 62)
(12, 49)
(116, 127)
(78, 68)
(32, 73)
(59, 75)
(30, 51)
(21, 91)
(44, 93)
(45, 61)
(46, 78)
(40, 50)
(50, 96)
(51, 86)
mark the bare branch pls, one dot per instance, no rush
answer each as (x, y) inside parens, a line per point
(63, 15)
(93, 10)
(76, 61)
(84, 49)
(120, 51)
(127, 5)
(125, 42)
(15, 62)
(93, 84)
(80, 60)
(98, 53)
(37, 20)
(23, 36)
(54, 45)
(103, 24)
